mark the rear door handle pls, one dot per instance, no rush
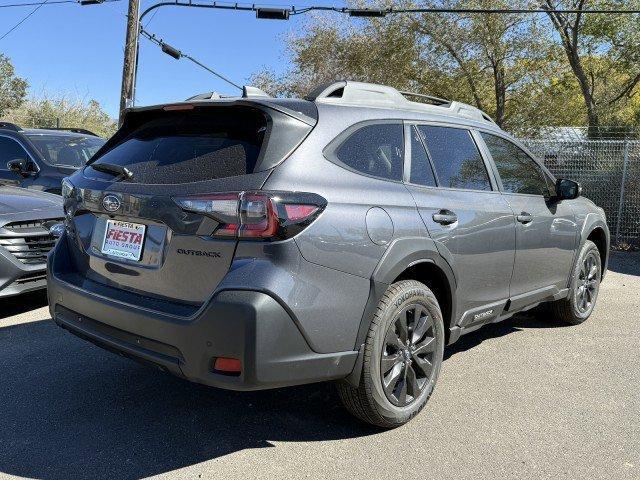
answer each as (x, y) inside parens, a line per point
(525, 218)
(445, 217)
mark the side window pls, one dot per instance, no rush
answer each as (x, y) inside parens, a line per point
(375, 149)
(518, 171)
(456, 158)
(10, 150)
(421, 171)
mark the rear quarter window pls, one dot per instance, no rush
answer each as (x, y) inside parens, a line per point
(374, 149)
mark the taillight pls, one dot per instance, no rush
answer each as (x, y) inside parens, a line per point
(257, 215)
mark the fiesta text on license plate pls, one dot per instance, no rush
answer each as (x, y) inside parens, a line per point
(123, 240)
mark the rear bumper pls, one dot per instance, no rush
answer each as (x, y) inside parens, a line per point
(17, 277)
(247, 325)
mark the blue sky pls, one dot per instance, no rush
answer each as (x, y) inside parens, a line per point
(77, 51)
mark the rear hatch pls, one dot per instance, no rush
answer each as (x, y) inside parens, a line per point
(136, 222)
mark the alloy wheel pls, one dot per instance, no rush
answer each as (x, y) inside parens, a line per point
(587, 284)
(408, 355)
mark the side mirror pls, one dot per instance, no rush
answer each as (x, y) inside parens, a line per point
(20, 166)
(567, 189)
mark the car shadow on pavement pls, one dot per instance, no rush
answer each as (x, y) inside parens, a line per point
(72, 410)
(22, 303)
(537, 318)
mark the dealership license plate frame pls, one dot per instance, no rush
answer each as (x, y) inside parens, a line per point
(120, 253)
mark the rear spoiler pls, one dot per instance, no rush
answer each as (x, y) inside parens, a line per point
(194, 102)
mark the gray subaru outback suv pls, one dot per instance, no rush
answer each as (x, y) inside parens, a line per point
(253, 242)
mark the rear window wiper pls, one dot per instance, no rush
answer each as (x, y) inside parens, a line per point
(112, 168)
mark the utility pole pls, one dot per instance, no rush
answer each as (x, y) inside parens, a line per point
(130, 57)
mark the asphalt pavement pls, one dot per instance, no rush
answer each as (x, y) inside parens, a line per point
(526, 398)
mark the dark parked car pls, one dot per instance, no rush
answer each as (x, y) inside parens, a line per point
(257, 242)
(39, 158)
(25, 219)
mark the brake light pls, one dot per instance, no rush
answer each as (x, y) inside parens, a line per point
(257, 215)
(177, 107)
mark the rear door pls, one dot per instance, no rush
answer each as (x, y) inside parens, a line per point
(546, 230)
(464, 213)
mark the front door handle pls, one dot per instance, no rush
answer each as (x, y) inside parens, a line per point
(525, 218)
(445, 217)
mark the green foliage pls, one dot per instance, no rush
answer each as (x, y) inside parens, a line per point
(515, 67)
(603, 52)
(326, 50)
(13, 89)
(45, 112)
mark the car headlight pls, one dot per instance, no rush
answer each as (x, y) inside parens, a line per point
(68, 190)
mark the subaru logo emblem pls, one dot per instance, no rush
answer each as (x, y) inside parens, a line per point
(111, 203)
(56, 230)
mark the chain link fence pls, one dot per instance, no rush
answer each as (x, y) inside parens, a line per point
(609, 172)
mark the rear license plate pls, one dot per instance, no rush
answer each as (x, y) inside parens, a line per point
(123, 240)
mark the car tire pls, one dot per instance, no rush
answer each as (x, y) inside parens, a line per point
(585, 285)
(403, 354)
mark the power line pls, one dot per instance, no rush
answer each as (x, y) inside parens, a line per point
(304, 8)
(38, 7)
(391, 10)
(178, 54)
(54, 2)
(283, 13)
(37, 3)
(24, 19)
(151, 18)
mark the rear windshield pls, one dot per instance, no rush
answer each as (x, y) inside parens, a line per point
(66, 150)
(183, 147)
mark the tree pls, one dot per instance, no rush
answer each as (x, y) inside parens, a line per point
(526, 71)
(13, 89)
(492, 55)
(486, 60)
(372, 51)
(47, 112)
(603, 52)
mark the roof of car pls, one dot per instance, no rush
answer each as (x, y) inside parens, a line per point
(71, 131)
(363, 96)
(47, 131)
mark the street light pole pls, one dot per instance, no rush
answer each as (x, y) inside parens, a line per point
(127, 92)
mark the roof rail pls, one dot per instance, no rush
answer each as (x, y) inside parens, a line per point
(10, 126)
(346, 92)
(432, 99)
